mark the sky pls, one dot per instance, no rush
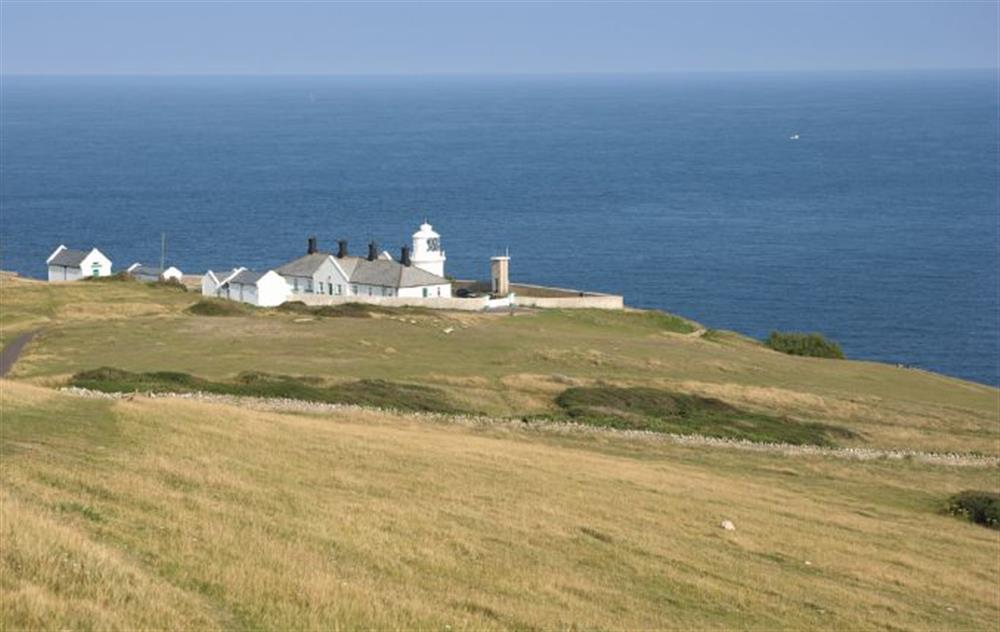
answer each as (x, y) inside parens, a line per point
(192, 37)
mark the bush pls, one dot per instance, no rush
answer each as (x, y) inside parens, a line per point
(170, 284)
(811, 345)
(218, 307)
(643, 408)
(379, 393)
(978, 507)
(117, 277)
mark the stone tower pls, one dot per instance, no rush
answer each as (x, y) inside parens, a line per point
(499, 274)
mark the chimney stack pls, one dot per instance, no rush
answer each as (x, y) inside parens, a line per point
(312, 246)
(404, 256)
(372, 251)
(341, 248)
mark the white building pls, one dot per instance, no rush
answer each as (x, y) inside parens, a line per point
(212, 282)
(72, 265)
(264, 289)
(149, 273)
(427, 253)
(376, 275)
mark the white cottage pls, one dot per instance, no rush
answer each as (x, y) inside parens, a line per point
(264, 289)
(66, 264)
(212, 283)
(149, 273)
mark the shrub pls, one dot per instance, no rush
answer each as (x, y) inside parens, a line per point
(978, 507)
(811, 345)
(218, 307)
(170, 284)
(380, 393)
(117, 277)
(643, 408)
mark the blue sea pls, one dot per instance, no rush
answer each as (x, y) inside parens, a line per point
(878, 226)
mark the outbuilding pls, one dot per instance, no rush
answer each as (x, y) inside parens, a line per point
(66, 264)
(149, 273)
(264, 289)
(214, 283)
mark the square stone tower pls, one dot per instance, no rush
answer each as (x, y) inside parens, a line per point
(500, 275)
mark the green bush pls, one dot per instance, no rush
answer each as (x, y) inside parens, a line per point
(379, 393)
(218, 307)
(643, 408)
(978, 507)
(811, 345)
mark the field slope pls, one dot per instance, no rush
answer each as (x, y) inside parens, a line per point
(128, 514)
(151, 512)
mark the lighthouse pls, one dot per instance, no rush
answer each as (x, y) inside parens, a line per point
(427, 254)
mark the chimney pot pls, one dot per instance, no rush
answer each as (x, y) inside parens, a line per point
(312, 246)
(372, 251)
(404, 256)
(341, 248)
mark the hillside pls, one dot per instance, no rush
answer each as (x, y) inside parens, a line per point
(153, 511)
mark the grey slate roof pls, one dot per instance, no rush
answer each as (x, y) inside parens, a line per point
(247, 277)
(69, 258)
(147, 271)
(381, 272)
(391, 274)
(303, 266)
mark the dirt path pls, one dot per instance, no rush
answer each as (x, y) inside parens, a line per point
(569, 428)
(12, 350)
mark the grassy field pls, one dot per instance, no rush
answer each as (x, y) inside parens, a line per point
(496, 363)
(158, 513)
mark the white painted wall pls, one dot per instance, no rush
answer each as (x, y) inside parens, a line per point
(59, 273)
(95, 261)
(271, 290)
(329, 274)
(433, 291)
(209, 284)
(425, 256)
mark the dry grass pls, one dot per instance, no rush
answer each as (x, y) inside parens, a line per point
(181, 514)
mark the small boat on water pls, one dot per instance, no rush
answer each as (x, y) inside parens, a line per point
(793, 137)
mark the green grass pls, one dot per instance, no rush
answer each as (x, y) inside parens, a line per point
(378, 393)
(495, 363)
(657, 410)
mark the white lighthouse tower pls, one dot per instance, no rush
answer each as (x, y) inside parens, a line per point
(427, 254)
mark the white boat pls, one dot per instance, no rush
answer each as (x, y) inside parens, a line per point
(793, 137)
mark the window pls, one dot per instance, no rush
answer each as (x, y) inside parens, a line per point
(369, 290)
(95, 269)
(439, 291)
(426, 293)
(320, 287)
(340, 289)
(354, 289)
(329, 288)
(295, 281)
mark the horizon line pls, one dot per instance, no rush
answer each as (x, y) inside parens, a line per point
(557, 73)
